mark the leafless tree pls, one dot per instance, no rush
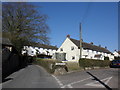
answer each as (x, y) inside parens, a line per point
(23, 24)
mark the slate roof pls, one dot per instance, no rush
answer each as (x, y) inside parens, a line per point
(90, 46)
(33, 44)
(118, 52)
(47, 46)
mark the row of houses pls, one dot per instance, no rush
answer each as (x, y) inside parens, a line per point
(70, 51)
(41, 50)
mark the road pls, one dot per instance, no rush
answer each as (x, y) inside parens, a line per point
(32, 76)
(35, 76)
(100, 78)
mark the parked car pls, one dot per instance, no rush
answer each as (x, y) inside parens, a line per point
(115, 64)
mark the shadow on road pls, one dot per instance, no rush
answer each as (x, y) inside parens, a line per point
(95, 78)
(6, 79)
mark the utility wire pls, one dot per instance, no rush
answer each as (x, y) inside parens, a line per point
(85, 15)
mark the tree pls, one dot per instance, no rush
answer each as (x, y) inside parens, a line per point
(24, 24)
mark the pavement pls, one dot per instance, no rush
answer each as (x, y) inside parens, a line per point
(35, 76)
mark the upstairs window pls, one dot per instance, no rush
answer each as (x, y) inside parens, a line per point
(73, 57)
(87, 50)
(72, 48)
(61, 49)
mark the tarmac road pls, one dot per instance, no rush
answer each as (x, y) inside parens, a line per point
(99, 78)
(35, 76)
(32, 76)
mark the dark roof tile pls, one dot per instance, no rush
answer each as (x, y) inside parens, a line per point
(43, 46)
(90, 46)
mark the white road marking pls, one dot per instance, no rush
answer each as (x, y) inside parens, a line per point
(97, 84)
(59, 82)
(70, 85)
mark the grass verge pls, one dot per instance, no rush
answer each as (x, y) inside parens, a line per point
(48, 64)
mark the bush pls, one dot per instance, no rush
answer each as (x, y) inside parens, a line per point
(93, 63)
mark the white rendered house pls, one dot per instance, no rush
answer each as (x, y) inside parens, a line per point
(70, 51)
(116, 53)
(40, 49)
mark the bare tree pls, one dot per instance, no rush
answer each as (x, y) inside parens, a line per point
(23, 24)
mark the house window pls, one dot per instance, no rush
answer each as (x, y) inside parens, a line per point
(72, 48)
(73, 57)
(87, 50)
(61, 49)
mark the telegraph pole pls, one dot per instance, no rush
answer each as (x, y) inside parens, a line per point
(80, 41)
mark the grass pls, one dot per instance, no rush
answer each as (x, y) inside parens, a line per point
(73, 66)
(49, 64)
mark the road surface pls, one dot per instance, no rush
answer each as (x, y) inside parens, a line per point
(100, 78)
(32, 76)
(35, 76)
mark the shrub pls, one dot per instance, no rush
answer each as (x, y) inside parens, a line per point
(93, 63)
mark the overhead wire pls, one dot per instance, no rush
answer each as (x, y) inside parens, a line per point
(85, 15)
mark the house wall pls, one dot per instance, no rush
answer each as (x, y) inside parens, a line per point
(71, 55)
(116, 54)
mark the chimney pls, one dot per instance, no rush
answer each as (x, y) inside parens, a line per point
(105, 47)
(115, 50)
(91, 43)
(68, 36)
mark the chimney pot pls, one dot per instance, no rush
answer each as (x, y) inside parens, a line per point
(105, 47)
(68, 36)
(91, 43)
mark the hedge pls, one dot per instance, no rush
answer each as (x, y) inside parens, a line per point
(93, 63)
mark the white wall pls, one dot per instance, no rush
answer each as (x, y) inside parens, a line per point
(67, 45)
(116, 54)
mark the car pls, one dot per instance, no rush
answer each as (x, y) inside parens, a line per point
(115, 64)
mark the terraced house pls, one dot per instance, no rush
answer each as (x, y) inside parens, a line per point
(70, 51)
(116, 54)
(42, 50)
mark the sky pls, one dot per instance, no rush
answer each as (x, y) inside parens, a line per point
(99, 22)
